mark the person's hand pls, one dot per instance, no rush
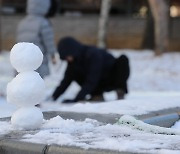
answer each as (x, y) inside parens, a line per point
(49, 99)
(68, 101)
(53, 59)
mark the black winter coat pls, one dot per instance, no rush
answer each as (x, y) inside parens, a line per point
(91, 67)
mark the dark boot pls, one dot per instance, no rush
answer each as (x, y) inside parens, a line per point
(120, 93)
(122, 73)
(98, 98)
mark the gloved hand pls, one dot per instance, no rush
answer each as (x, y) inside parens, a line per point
(69, 101)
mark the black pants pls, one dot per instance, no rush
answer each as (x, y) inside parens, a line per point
(118, 77)
(122, 71)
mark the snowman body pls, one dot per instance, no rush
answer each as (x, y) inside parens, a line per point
(27, 89)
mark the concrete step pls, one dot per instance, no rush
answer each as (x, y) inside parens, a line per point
(8, 146)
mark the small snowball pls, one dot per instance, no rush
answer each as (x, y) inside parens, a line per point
(25, 57)
(27, 118)
(26, 89)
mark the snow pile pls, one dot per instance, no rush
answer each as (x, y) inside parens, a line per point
(176, 125)
(93, 134)
(27, 118)
(27, 88)
(139, 125)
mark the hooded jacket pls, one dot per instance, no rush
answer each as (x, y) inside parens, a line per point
(91, 66)
(37, 29)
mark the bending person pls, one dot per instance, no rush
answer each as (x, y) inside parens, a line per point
(94, 69)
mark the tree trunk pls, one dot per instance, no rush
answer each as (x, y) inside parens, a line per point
(160, 12)
(103, 21)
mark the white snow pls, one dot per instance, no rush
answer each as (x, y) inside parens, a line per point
(139, 125)
(26, 56)
(6, 127)
(136, 103)
(26, 89)
(92, 134)
(154, 84)
(27, 118)
(176, 125)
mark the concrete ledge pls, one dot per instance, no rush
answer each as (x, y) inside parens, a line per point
(8, 146)
(18, 147)
(56, 149)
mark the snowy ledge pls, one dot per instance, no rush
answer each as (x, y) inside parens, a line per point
(92, 136)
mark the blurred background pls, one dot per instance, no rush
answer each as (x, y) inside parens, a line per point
(114, 24)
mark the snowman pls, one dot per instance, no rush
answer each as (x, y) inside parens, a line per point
(27, 89)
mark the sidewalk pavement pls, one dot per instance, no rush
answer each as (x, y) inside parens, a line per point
(11, 144)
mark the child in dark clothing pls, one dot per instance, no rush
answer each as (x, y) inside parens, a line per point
(94, 69)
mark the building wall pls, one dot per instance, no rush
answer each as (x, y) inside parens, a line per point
(122, 32)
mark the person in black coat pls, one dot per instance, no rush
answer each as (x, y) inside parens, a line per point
(94, 69)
